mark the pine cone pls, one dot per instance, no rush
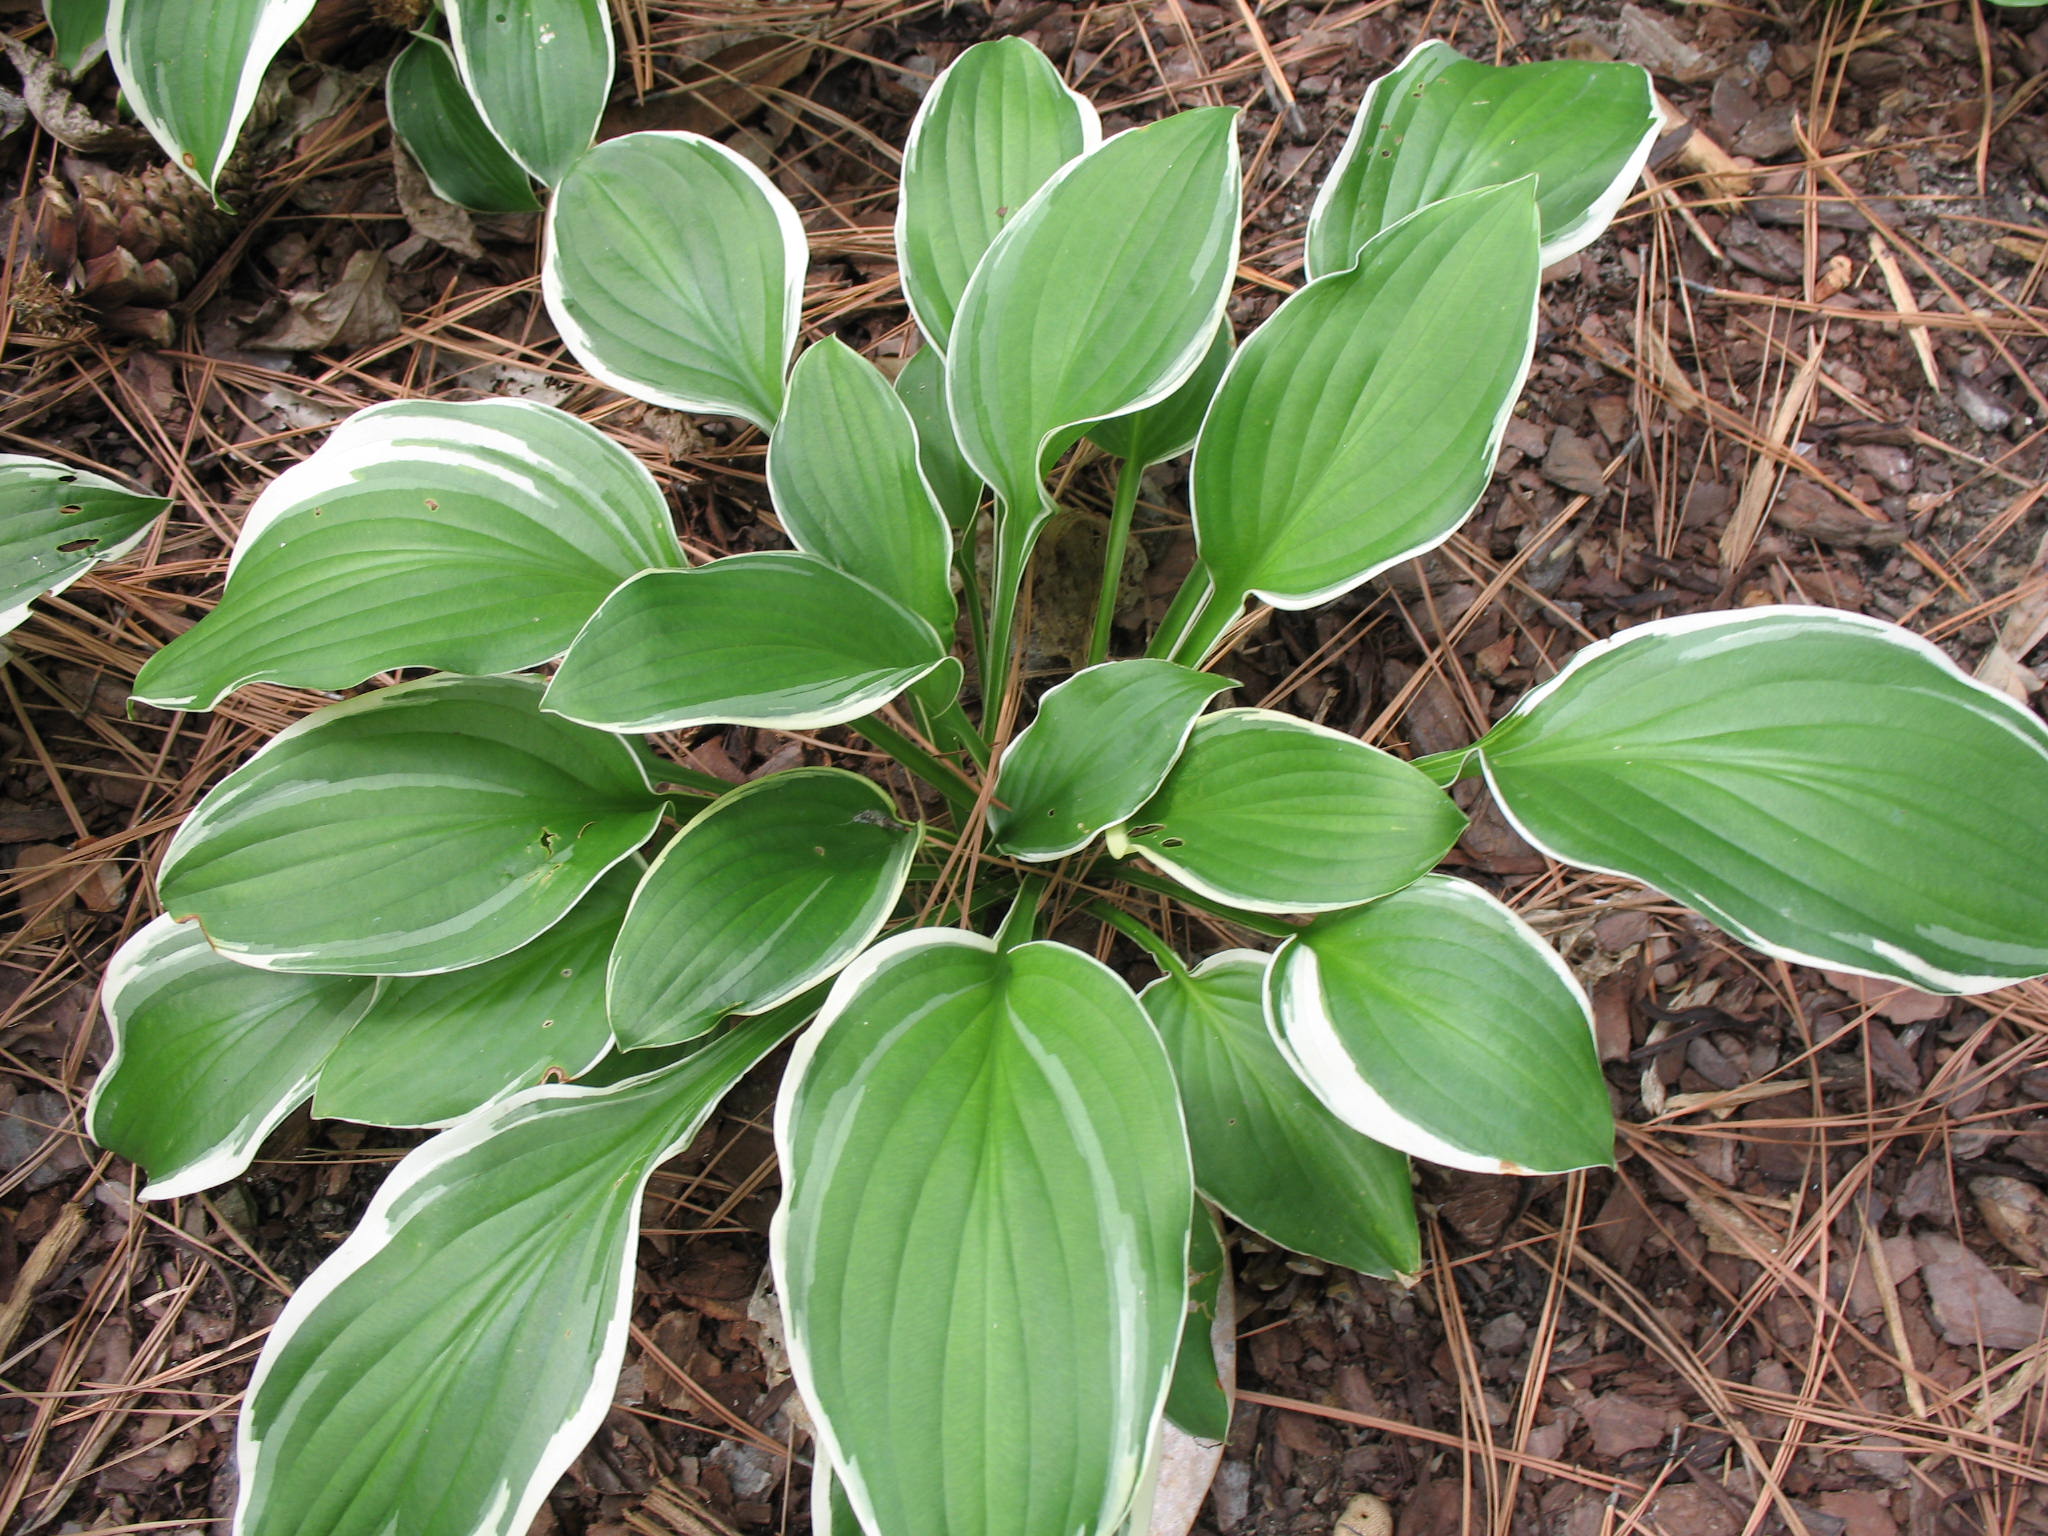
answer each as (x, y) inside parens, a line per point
(126, 247)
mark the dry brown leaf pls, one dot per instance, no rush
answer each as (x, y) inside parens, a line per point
(2016, 1214)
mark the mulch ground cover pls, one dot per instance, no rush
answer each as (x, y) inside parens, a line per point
(1809, 364)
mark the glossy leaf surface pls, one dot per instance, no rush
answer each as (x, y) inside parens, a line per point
(191, 72)
(921, 386)
(434, 117)
(1441, 124)
(1358, 426)
(1266, 1149)
(539, 72)
(765, 639)
(674, 270)
(1101, 295)
(843, 471)
(1438, 1022)
(56, 523)
(447, 1363)
(1824, 786)
(422, 828)
(1273, 814)
(467, 537)
(992, 130)
(209, 1055)
(1060, 786)
(774, 888)
(1168, 430)
(981, 1245)
(434, 1048)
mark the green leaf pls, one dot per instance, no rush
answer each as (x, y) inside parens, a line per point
(1358, 426)
(1058, 786)
(843, 471)
(1168, 430)
(1100, 296)
(539, 72)
(674, 271)
(1196, 1400)
(921, 386)
(419, 829)
(56, 523)
(441, 1370)
(983, 1234)
(1441, 124)
(774, 888)
(78, 31)
(994, 128)
(1826, 787)
(434, 117)
(209, 1055)
(474, 537)
(1438, 1022)
(191, 72)
(767, 639)
(1265, 1148)
(1274, 814)
(435, 1048)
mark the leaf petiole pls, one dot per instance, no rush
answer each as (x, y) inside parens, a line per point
(940, 775)
(1120, 514)
(1127, 925)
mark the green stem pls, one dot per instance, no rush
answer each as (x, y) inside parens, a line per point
(1187, 602)
(1120, 514)
(1217, 615)
(955, 718)
(941, 776)
(1020, 923)
(1257, 922)
(970, 588)
(1127, 925)
(690, 780)
(1447, 768)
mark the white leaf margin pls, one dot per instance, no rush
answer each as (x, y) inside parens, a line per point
(913, 290)
(881, 905)
(453, 10)
(1120, 846)
(148, 959)
(796, 258)
(1303, 1030)
(1999, 709)
(274, 28)
(1128, 1479)
(1570, 240)
(381, 1223)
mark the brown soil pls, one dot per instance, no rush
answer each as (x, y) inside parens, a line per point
(1810, 1299)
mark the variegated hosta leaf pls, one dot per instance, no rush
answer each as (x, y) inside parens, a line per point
(921, 386)
(1441, 124)
(190, 72)
(674, 270)
(447, 1363)
(1826, 787)
(1059, 786)
(773, 888)
(1265, 1148)
(767, 639)
(1274, 814)
(434, 117)
(1358, 426)
(843, 471)
(435, 1048)
(56, 523)
(1168, 429)
(78, 31)
(1436, 1021)
(1196, 1401)
(467, 537)
(209, 1055)
(981, 1243)
(539, 72)
(419, 829)
(994, 128)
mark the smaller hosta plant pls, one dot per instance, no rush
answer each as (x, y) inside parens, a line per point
(995, 1253)
(56, 523)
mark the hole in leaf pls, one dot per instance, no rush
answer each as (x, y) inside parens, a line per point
(73, 546)
(1173, 842)
(1148, 829)
(70, 511)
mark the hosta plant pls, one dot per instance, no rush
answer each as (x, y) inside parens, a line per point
(478, 900)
